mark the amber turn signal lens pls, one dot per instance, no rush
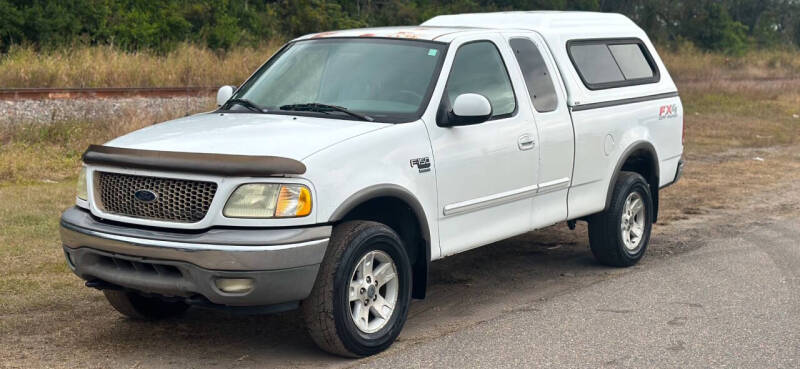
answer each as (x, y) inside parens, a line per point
(293, 201)
(305, 202)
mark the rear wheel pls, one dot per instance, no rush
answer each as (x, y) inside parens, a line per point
(360, 300)
(140, 307)
(619, 236)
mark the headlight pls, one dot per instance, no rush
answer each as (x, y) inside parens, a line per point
(82, 191)
(269, 200)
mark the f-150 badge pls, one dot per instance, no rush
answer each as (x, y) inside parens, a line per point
(423, 164)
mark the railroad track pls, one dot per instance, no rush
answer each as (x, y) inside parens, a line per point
(103, 92)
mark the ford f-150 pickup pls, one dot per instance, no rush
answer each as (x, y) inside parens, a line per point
(332, 177)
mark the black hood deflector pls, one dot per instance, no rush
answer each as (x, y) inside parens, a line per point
(201, 163)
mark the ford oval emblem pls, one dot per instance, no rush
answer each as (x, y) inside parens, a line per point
(145, 196)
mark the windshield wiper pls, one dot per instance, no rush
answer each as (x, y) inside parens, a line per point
(324, 108)
(247, 104)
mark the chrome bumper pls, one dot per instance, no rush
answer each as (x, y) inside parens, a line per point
(283, 263)
(220, 249)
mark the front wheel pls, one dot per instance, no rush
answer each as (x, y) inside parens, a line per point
(619, 236)
(360, 299)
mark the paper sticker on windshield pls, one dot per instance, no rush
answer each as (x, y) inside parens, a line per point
(432, 52)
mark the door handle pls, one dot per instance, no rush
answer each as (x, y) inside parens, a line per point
(526, 142)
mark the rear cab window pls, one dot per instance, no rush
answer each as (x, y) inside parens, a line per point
(611, 63)
(540, 85)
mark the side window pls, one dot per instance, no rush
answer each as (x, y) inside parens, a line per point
(612, 63)
(537, 78)
(595, 64)
(478, 68)
(631, 60)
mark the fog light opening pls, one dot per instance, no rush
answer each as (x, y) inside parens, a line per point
(234, 285)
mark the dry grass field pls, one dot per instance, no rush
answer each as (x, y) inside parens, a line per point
(190, 65)
(106, 66)
(34, 152)
(742, 138)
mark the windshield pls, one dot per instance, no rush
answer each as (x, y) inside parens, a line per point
(386, 80)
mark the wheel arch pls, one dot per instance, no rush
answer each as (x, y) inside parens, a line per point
(640, 157)
(383, 203)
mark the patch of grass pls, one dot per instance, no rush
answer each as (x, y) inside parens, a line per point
(33, 152)
(33, 268)
(722, 120)
(689, 63)
(107, 66)
(193, 65)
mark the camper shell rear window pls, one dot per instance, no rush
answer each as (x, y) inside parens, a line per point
(611, 63)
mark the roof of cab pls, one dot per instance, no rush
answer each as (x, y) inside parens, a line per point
(407, 32)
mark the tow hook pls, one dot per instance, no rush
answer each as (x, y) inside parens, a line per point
(102, 285)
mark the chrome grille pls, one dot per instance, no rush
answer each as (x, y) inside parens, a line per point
(176, 200)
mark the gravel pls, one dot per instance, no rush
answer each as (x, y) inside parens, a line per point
(57, 110)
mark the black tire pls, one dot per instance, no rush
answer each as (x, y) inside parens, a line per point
(139, 307)
(605, 235)
(327, 310)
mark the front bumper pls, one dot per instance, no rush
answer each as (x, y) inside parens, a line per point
(282, 263)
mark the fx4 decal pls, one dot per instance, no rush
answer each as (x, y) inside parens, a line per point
(668, 111)
(423, 164)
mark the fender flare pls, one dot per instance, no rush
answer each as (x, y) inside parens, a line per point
(635, 147)
(420, 269)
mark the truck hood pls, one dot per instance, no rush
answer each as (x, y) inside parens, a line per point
(294, 137)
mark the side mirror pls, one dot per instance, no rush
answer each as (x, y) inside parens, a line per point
(224, 94)
(470, 109)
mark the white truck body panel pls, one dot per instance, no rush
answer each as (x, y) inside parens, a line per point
(355, 167)
(556, 145)
(245, 134)
(601, 135)
(470, 160)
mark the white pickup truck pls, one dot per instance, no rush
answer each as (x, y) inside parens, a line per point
(334, 175)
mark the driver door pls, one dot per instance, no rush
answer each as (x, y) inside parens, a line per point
(486, 173)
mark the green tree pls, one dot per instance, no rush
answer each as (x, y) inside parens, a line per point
(140, 25)
(11, 24)
(306, 16)
(712, 28)
(723, 25)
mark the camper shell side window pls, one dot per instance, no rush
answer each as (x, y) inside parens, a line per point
(612, 63)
